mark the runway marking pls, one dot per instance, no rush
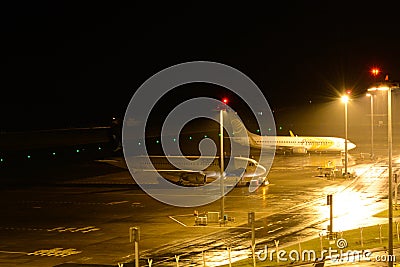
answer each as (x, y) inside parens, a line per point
(181, 223)
(117, 202)
(84, 230)
(271, 231)
(72, 202)
(61, 229)
(56, 252)
(12, 252)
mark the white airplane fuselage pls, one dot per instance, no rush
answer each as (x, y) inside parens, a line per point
(293, 143)
(301, 144)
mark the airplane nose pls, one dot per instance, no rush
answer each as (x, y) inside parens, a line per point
(350, 145)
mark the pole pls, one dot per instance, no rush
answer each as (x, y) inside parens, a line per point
(372, 126)
(134, 236)
(229, 256)
(390, 213)
(345, 142)
(396, 185)
(331, 218)
(253, 233)
(221, 129)
(136, 253)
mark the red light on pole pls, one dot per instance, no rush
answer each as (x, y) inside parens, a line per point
(375, 71)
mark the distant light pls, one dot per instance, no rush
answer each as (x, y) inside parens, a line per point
(157, 141)
(190, 138)
(225, 100)
(348, 92)
(29, 156)
(345, 99)
(99, 148)
(139, 143)
(54, 153)
(174, 139)
(1, 159)
(368, 94)
(258, 130)
(77, 151)
(375, 71)
(205, 136)
(269, 129)
(280, 127)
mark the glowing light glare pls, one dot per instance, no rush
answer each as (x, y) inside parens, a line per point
(348, 92)
(381, 88)
(368, 94)
(345, 99)
(375, 71)
(225, 100)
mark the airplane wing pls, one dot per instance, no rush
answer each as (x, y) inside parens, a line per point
(191, 175)
(179, 176)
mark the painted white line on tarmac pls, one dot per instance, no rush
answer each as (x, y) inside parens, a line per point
(13, 252)
(181, 223)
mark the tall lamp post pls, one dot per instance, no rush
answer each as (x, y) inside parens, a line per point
(345, 100)
(386, 86)
(222, 165)
(372, 124)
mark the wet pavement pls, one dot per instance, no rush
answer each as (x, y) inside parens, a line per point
(72, 218)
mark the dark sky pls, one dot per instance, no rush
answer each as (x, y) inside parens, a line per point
(68, 63)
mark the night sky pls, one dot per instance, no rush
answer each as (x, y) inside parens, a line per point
(75, 63)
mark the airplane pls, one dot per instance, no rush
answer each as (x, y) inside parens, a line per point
(293, 143)
(244, 171)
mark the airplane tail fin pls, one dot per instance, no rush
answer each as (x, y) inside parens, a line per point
(239, 128)
(292, 134)
(239, 131)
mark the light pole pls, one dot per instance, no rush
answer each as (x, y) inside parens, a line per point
(390, 213)
(221, 141)
(345, 100)
(372, 124)
(386, 86)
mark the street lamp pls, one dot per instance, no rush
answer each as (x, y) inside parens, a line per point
(221, 140)
(372, 124)
(221, 118)
(345, 100)
(387, 86)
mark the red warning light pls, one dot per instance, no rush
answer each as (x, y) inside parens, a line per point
(348, 92)
(375, 71)
(225, 100)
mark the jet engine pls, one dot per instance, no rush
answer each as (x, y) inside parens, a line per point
(194, 178)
